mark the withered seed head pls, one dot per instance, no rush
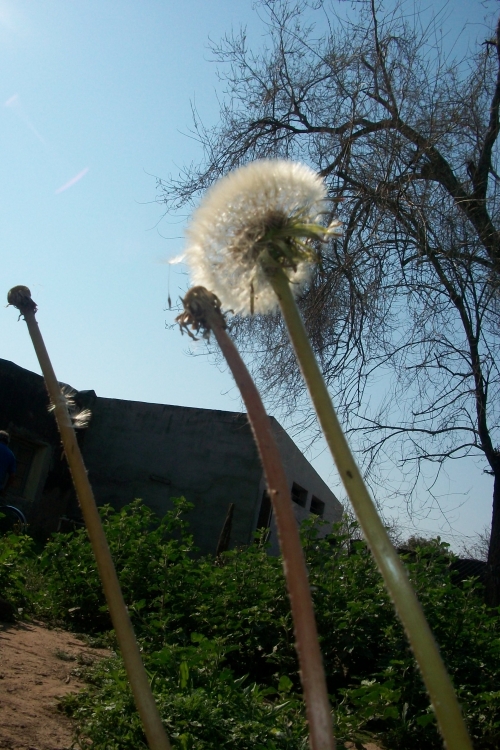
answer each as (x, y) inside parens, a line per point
(20, 297)
(197, 303)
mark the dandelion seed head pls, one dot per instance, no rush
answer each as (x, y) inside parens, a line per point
(228, 232)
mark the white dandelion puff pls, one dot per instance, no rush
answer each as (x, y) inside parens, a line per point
(268, 209)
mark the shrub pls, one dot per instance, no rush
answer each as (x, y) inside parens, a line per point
(204, 706)
(218, 638)
(16, 556)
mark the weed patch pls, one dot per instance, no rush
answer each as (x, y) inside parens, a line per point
(218, 642)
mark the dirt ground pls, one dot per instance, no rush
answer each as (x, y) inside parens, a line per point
(35, 670)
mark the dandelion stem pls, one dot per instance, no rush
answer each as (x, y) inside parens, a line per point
(146, 706)
(311, 664)
(436, 678)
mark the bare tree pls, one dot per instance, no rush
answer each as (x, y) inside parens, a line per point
(476, 548)
(407, 139)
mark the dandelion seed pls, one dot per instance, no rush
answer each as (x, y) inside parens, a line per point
(176, 259)
(68, 393)
(264, 213)
(80, 418)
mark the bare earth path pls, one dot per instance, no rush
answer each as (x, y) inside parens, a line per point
(35, 670)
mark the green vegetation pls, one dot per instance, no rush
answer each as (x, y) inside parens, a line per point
(16, 567)
(218, 641)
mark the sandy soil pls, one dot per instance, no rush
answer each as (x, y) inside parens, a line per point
(35, 670)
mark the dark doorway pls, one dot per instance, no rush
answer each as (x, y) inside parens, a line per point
(266, 512)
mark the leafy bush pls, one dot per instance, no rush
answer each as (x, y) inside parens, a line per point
(144, 549)
(170, 592)
(370, 668)
(15, 552)
(218, 638)
(204, 706)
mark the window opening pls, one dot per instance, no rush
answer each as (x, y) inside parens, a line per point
(299, 495)
(317, 506)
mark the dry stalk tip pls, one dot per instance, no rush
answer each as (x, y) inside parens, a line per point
(20, 297)
(199, 305)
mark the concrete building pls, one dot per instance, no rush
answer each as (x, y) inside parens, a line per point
(155, 452)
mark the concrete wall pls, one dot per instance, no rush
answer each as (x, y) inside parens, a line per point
(153, 452)
(298, 470)
(157, 452)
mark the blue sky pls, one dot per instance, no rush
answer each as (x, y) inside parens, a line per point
(95, 101)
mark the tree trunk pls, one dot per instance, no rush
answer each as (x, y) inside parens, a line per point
(493, 567)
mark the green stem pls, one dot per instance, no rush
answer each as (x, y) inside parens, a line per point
(436, 678)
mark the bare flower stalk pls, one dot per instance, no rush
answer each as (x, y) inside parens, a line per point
(202, 312)
(20, 297)
(436, 678)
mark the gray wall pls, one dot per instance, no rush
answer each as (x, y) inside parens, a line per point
(155, 452)
(299, 470)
